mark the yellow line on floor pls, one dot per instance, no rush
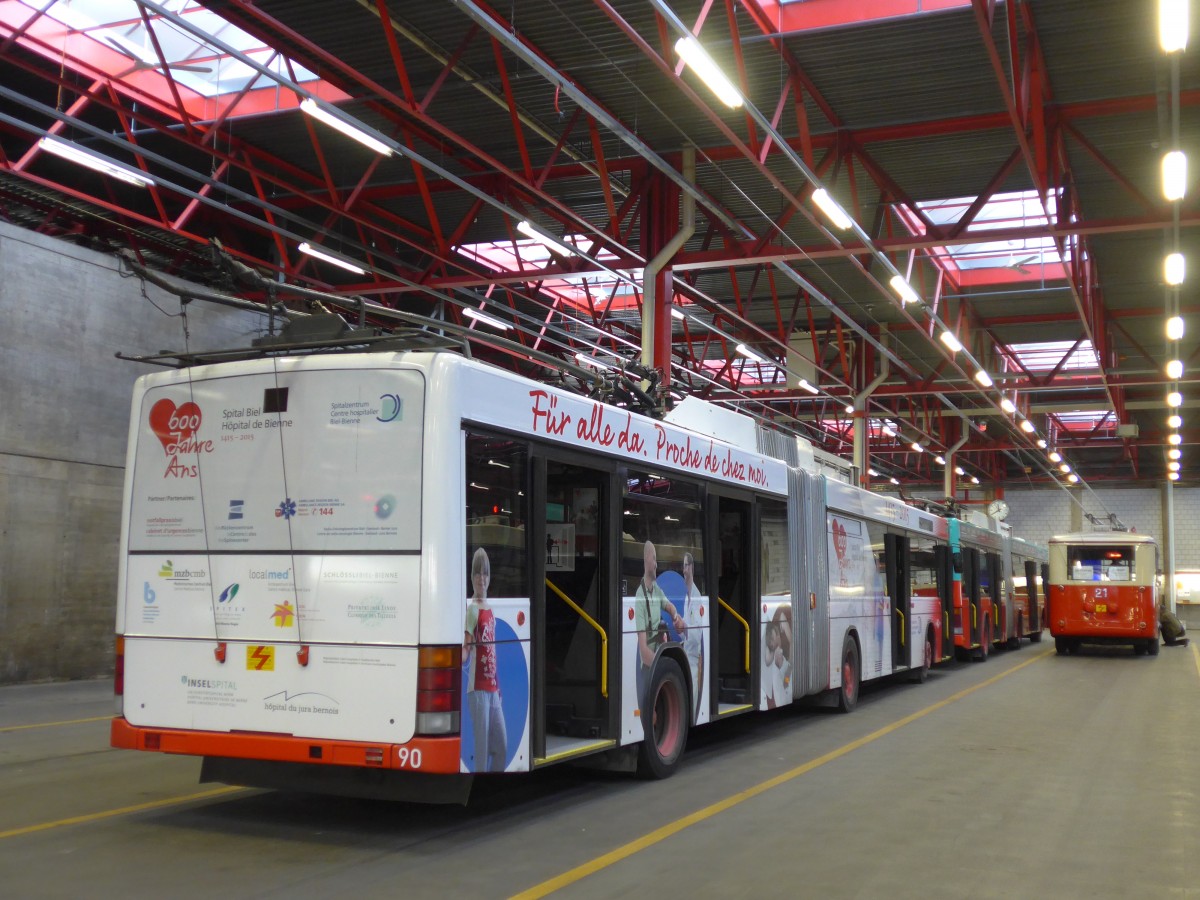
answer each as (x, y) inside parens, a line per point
(1196, 656)
(124, 810)
(673, 828)
(55, 724)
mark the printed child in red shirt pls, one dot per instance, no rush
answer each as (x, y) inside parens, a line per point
(483, 685)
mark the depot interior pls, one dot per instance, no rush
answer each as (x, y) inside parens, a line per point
(947, 241)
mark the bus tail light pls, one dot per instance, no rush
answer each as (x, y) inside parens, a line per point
(119, 674)
(439, 689)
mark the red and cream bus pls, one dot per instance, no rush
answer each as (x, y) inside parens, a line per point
(1104, 589)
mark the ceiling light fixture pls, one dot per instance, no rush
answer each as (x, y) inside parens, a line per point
(1055, 456)
(951, 341)
(940, 460)
(692, 53)
(485, 319)
(94, 161)
(830, 207)
(1027, 426)
(1174, 175)
(307, 248)
(1174, 421)
(1172, 25)
(751, 354)
(1174, 453)
(1007, 405)
(974, 479)
(1174, 399)
(1175, 369)
(350, 129)
(1174, 440)
(916, 445)
(1041, 443)
(1064, 468)
(1174, 268)
(677, 313)
(808, 387)
(1175, 329)
(526, 228)
(1073, 478)
(984, 379)
(1174, 476)
(1173, 466)
(904, 289)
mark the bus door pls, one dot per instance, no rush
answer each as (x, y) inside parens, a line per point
(575, 608)
(1035, 598)
(970, 594)
(736, 635)
(899, 584)
(991, 594)
(951, 617)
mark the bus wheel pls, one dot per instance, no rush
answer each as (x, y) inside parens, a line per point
(1035, 637)
(921, 673)
(1014, 642)
(665, 721)
(851, 676)
(1152, 646)
(1062, 646)
(985, 642)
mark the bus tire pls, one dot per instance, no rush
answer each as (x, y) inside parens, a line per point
(851, 676)
(1152, 646)
(1014, 642)
(1062, 646)
(985, 641)
(1035, 637)
(921, 673)
(664, 720)
(1140, 649)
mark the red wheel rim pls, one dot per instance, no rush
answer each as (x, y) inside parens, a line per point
(668, 715)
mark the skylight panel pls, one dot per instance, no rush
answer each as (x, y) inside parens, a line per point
(1047, 356)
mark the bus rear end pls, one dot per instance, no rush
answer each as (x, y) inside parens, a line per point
(1103, 590)
(271, 579)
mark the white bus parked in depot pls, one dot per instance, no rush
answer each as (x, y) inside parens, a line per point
(383, 573)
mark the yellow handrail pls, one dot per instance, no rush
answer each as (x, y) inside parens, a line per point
(603, 637)
(746, 625)
(974, 616)
(903, 630)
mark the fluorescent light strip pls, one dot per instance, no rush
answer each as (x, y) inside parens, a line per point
(983, 378)
(750, 354)
(830, 207)
(526, 228)
(1174, 269)
(904, 289)
(355, 132)
(692, 53)
(485, 319)
(346, 264)
(1175, 328)
(1172, 25)
(1174, 175)
(808, 387)
(93, 161)
(951, 341)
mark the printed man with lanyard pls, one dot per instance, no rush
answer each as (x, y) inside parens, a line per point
(649, 602)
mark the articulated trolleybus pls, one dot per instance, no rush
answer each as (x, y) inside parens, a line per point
(384, 573)
(1104, 590)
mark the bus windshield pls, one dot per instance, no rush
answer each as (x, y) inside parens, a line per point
(1100, 562)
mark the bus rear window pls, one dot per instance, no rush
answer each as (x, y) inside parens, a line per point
(1100, 562)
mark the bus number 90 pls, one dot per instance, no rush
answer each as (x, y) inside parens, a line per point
(409, 758)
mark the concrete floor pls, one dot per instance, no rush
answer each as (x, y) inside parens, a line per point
(1029, 775)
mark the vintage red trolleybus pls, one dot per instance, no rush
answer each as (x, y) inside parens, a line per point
(1103, 590)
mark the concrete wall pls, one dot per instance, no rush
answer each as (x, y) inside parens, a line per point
(64, 417)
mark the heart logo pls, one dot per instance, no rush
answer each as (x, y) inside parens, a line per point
(839, 540)
(174, 424)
